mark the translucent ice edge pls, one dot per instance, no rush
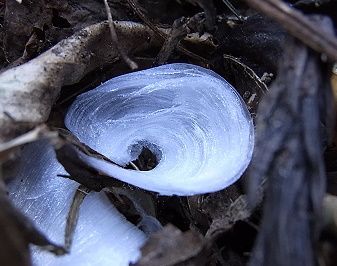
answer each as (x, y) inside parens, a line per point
(196, 118)
(102, 237)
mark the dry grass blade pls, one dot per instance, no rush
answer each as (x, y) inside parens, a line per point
(73, 215)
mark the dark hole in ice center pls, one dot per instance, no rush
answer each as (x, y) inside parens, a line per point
(147, 155)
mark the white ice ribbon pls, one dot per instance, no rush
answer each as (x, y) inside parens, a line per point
(192, 119)
(103, 236)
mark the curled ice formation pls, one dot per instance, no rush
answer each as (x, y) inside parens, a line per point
(102, 237)
(195, 123)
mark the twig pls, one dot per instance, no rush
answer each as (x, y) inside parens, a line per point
(163, 35)
(73, 215)
(299, 26)
(209, 11)
(134, 166)
(35, 134)
(233, 10)
(133, 65)
(140, 14)
(178, 32)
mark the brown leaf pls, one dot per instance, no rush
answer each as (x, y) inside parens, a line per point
(172, 247)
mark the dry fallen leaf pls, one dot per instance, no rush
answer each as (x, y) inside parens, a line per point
(172, 247)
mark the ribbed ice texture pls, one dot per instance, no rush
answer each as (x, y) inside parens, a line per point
(194, 121)
(102, 236)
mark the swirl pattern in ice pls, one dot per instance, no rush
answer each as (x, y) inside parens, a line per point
(194, 121)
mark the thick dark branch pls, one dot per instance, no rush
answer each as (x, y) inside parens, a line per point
(299, 26)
